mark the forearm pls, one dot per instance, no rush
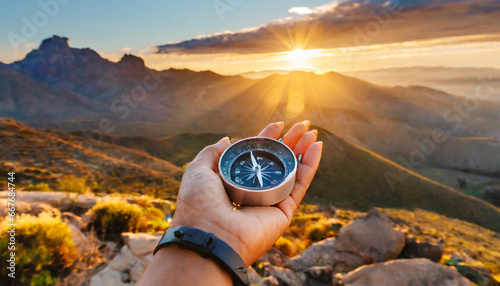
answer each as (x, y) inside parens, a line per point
(176, 266)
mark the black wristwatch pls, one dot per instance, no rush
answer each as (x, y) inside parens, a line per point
(207, 245)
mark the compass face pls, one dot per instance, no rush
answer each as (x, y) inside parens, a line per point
(257, 163)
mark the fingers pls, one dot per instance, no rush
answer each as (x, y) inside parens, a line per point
(293, 135)
(305, 141)
(272, 130)
(305, 174)
(210, 155)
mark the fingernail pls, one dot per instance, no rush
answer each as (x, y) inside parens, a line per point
(321, 142)
(307, 123)
(281, 123)
(315, 132)
(223, 139)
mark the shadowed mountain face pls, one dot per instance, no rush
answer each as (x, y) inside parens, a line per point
(417, 127)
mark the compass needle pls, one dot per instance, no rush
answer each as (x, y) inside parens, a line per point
(258, 171)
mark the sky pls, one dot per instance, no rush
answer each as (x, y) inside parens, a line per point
(238, 36)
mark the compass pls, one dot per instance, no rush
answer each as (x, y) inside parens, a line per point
(258, 171)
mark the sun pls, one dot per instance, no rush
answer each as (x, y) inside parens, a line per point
(300, 58)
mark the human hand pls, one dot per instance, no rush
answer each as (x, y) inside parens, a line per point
(203, 203)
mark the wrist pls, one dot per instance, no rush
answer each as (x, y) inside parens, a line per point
(193, 269)
(232, 240)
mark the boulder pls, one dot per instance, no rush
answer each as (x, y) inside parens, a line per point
(32, 208)
(415, 249)
(55, 199)
(73, 219)
(254, 277)
(320, 273)
(81, 242)
(141, 244)
(270, 281)
(404, 272)
(274, 256)
(364, 240)
(372, 237)
(285, 276)
(125, 260)
(108, 277)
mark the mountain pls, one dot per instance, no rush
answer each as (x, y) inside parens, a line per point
(47, 156)
(128, 99)
(459, 81)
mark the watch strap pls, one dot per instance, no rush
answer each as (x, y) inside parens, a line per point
(207, 245)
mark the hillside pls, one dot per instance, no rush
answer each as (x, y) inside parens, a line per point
(47, 157)
(352, 177)
(178, 149)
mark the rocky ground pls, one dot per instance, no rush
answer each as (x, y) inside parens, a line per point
(368, 250)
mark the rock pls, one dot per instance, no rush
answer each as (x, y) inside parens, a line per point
(108, 277)
(85, 202)
(73, 219)
(141, 244)
(324, 253)
(54, 199)
(321, 273)
(80, 240)
(32, 208)
(274, 257)
(415, 249)
(136, 271)
(270, 281)
(124, 260)
(405, 273)
(254, 277)
(372, 237)
(285, 276)
(125, 276)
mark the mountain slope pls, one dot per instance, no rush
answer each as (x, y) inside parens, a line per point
(352, 177)
(38, 156)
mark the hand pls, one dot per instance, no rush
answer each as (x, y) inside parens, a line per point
(203, 203)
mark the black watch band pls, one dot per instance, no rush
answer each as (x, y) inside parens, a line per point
(207, 245)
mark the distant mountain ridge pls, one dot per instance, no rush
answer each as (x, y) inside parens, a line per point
(71, 89)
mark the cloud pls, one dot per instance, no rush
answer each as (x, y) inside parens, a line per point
(126, 49)
(300, 10)
(352, 23)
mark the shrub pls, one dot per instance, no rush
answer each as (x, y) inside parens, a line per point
(113, 216)
(72, 184)
(44, 249)
(289, 247)
(40, 187)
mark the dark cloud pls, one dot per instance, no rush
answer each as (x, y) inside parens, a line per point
(354, 23)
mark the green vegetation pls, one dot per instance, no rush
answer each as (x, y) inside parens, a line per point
(72, 184)
(43, 246)
(310, 224)
(113, 216)
(40, 187)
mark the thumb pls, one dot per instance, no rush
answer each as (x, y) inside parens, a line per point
(210, 155)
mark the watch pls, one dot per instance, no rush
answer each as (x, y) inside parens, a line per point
(207, 245)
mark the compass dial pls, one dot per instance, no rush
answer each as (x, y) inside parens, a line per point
(258, 165)
(269, 168)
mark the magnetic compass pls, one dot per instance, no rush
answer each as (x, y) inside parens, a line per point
(258, 171)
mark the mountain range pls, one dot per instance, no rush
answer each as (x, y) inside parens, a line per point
(447, 138)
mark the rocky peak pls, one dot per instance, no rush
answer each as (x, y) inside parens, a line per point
(55, 43)
(131, 60)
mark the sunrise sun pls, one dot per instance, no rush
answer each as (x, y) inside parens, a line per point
(300, 58)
